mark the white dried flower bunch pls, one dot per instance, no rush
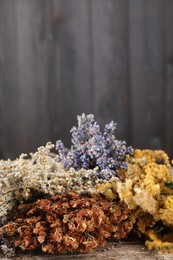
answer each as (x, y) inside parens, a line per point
(23, 178)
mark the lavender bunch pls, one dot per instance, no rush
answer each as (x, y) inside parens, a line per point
(90, 148)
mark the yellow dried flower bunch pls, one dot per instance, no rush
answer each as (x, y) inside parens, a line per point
(163, 243)
(166, 213)
(146, 156)
(146, 185)
(144, 181)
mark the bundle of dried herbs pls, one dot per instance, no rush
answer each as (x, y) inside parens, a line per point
(148, 186)
(68, 223)
(91, 148)
(38, 176)
(96, 190)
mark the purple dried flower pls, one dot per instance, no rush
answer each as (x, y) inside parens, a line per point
(91, 148)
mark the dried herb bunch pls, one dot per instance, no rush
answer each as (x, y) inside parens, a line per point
(90, 148)
(68, 223)
(96, 190)
(40, 176)
(147, 185)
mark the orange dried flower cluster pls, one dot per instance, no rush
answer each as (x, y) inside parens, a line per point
(68, 223)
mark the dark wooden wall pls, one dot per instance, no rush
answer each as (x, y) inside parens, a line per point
(60, 58)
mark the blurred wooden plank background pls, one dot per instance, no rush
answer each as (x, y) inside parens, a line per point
(60, 58)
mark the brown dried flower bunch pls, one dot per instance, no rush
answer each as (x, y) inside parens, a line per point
(68, 222)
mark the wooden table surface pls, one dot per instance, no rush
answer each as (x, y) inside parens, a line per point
(121, 251)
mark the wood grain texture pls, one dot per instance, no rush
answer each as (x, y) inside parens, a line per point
(33, 62)
(60, 58)
(168, 75)
(123, 251)
(147, 73)
(9, 107)
(42, 43)
(24, 76)
(110, 65)
(154, 74)
(70, 83)
(138, 72)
